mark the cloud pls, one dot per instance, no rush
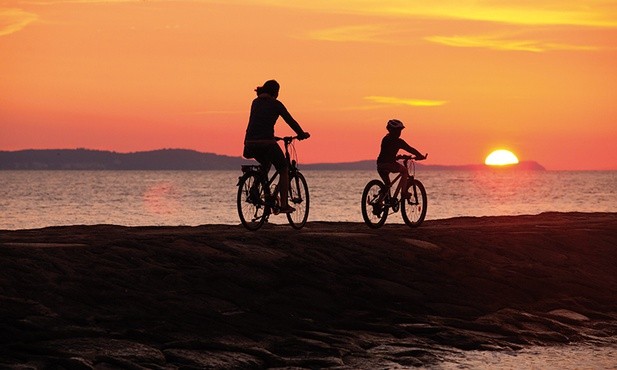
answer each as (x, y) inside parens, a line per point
(591, 13)
(14, 20)
(390, 100)
(360, 33)
(499, 43)
(54, 2)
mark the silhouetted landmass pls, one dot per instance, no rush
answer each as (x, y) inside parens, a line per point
(85, 159)
(174, 159)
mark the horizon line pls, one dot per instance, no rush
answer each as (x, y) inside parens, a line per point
(305, 163)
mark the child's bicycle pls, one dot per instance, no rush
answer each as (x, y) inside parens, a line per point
(378, 201)
(258, 196)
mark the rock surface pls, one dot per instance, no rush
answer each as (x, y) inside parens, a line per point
(332, 295)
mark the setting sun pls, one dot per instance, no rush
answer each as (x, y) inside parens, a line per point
(501, 157)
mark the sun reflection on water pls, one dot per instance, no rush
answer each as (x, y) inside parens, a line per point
(160, 198)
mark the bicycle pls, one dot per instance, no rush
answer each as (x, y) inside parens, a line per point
(378, 201)
(258, 196)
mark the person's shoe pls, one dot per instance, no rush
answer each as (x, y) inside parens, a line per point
(287, 209)
(377, 210)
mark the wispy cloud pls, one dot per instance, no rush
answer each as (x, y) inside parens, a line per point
(593, 13)
(14, 20)
(390, 100)
(359, 33)
(54, 2)
(500, 43)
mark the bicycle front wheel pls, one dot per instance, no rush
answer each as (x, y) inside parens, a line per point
(299, 199)
(414, 209)
(374, 209)
(252, 207)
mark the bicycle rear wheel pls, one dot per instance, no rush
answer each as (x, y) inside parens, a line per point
(252, 207)
(299, 199)
(413, 209)
(374, 209)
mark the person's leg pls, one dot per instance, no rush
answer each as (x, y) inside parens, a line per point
(385, 176)
(279, 162)
(404, 179)
(384, 169)
(284, 188)
(262, 155)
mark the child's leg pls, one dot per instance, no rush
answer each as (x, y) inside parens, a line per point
(384, 170)
(385, 177)
(404, 177)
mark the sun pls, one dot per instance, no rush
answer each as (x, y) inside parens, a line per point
(500, 157)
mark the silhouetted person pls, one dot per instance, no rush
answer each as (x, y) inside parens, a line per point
(386, 161)
(259, 142)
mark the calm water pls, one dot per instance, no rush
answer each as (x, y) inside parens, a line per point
(33, 199)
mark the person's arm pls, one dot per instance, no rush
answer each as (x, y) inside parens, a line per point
(290, 120)
(411, 149)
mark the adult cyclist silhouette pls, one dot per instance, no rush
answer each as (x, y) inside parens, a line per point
(259, 141)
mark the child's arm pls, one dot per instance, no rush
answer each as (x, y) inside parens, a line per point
(411, 150)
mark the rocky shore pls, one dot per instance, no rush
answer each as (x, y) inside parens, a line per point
(332, 295)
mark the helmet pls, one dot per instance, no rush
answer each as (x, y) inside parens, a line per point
(395, 124)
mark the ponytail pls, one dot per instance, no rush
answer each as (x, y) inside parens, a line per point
(271, 87)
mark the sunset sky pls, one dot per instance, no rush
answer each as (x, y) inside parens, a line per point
(466, 77)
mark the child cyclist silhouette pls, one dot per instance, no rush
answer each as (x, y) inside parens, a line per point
(386, 161)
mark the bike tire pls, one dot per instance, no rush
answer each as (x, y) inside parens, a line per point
(413, 209)
(299, 199)
(252, 207)
(374, 210)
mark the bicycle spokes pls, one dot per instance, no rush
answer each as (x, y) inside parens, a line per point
(374, 207)
(258, 197)
(414, 209)
(299, 199)
(252, 208)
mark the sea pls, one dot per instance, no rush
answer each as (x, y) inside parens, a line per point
(36, 199)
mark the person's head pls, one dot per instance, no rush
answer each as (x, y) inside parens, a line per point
(395, 127)
(270, 87)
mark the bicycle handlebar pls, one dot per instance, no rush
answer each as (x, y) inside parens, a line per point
(408, 157)
(285, 138)
(289, 139)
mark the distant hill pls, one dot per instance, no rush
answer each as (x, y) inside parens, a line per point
(86, 159)
(173, 159)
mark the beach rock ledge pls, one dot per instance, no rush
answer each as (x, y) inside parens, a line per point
(332, 295)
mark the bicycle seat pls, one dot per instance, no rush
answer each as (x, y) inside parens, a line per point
(251, 168)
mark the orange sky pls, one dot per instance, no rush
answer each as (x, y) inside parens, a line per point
(536, 77)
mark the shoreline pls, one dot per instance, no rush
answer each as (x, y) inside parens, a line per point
(334, 294)
(280, 221)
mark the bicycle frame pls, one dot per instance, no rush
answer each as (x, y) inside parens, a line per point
(383, 197)
(398, 182)
(272, 201)
(291, 167)
(399, 186)
(259, 194)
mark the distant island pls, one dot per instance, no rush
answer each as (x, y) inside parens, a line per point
(176, 159)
